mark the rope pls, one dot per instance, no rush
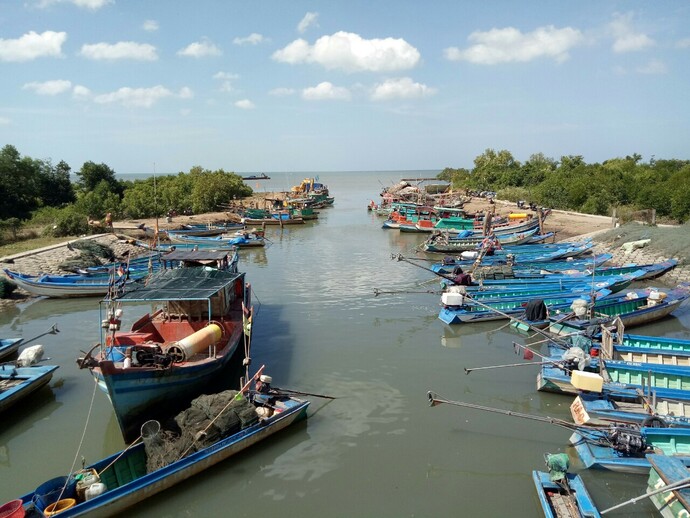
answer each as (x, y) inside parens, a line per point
(83, 435)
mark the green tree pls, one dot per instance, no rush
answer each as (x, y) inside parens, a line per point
(19, 184)
(91, 175)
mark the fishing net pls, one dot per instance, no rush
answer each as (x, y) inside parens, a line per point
(6, 288)
(98, 249)
(209, 419)
(669, 241)
(84, 260)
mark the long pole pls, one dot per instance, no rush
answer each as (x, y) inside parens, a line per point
(52, 331)
(435, 399)
(681, 484)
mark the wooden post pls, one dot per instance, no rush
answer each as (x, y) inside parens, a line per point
(653, 217)
(540, 216)
(613, 218)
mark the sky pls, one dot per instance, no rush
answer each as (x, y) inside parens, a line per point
(260, 86)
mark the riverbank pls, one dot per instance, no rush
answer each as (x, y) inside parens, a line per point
(665, 243)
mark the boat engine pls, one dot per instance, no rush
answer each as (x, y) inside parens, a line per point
(627, 440)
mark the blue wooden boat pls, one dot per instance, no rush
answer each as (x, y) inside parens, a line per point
(501, 309)
(178, 349)
(16, 383)
(243, 240)
(621, 380)
(566, 498)
(9, 346)
(441, 244)
(646, 307)
(647, 410)
(624, 449)
(529, 262)
(73, 285)
(126, 482)
(669, 472)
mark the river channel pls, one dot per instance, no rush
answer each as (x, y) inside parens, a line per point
(378, 450)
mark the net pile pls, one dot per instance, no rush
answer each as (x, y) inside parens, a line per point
(97, 249)
(6, 288)
(209, 419)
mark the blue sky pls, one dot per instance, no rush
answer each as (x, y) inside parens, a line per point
(337, 86)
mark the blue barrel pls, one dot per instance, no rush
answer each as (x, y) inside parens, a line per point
(49, 492)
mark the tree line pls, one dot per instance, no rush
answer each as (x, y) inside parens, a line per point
(37, 193)
(627, 184)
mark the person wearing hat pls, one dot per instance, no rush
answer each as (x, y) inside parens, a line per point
(263, 384)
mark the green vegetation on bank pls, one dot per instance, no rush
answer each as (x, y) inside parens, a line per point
(627, 184)
(36, 194)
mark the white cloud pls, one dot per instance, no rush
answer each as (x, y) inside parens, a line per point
(245, 104)
(653, 67)
(120, 50)
(135, 97)
(683, 44)
(4, 121)
(32, 45)
(625, 37)
(200, 49)
(400, 88)
(510, 45)
(81, 92)
(150, 26)
(310, 19)
(185, 93)
(54, 87)
(282, 92)
(351, 53)
(326, 91)
(93, 5)
(226, 79)
(253, 39)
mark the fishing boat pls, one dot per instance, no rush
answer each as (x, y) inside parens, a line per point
(112, 485)
(9, 346)
(668, 485)
(74, 285)
(439, 243)
(624, 449)
(647, 410)
(641, 308)
(457, 309)
(174, 352)
(546, 262)
(16, 383)
(562, 494)
(617, 379)
(242, 240)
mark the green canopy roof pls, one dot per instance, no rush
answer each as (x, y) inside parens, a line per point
(180, 284)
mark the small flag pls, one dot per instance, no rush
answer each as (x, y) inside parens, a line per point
(120, 271)
(516, 348)
(528, 354)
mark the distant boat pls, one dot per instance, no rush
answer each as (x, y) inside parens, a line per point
(261, 176)
(74, 285)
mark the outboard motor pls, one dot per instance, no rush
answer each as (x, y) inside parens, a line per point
(627, 440)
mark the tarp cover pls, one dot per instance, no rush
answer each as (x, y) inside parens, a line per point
(182, 284)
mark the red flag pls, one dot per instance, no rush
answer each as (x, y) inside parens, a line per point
(528, 354)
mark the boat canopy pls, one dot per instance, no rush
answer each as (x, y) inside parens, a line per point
(181, 284)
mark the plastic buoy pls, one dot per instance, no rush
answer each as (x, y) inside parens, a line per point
(13, 509)
(59, 506)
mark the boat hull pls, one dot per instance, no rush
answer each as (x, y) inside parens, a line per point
(33, 379)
